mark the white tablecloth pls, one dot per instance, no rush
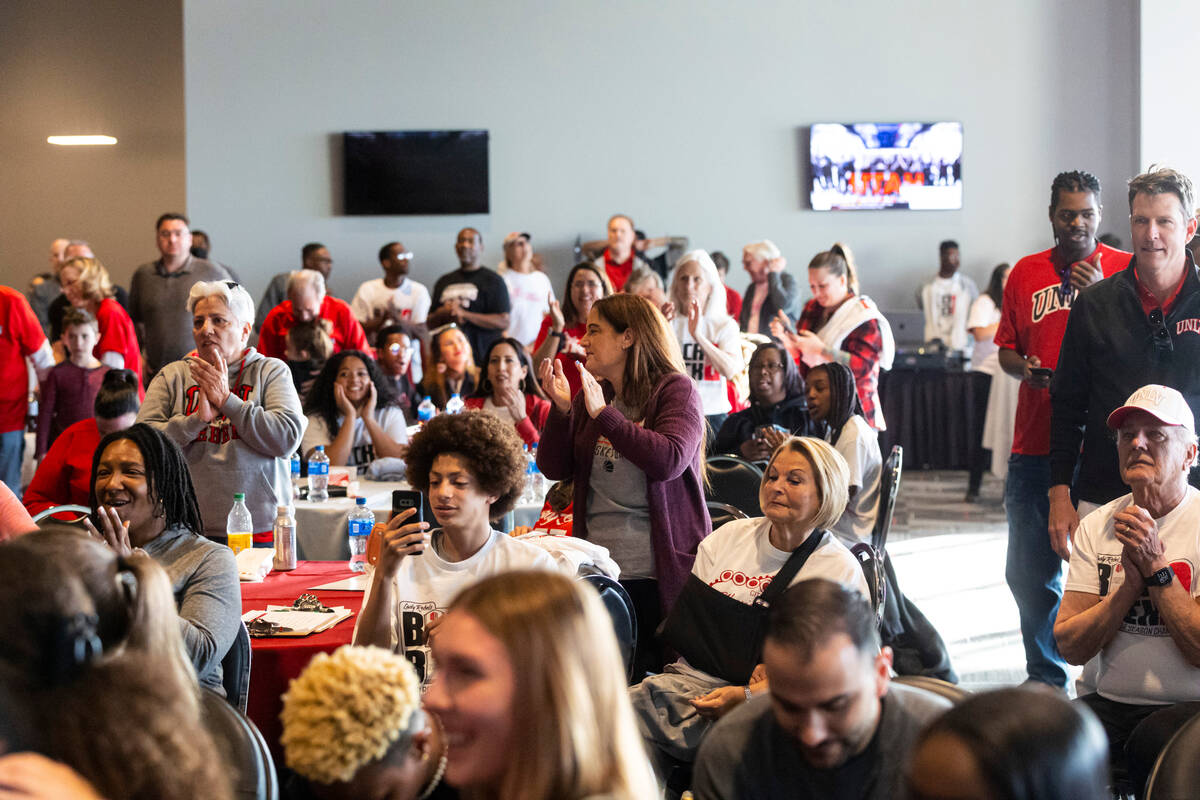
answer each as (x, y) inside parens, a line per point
(321, 527)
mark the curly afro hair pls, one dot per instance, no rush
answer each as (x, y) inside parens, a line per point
(489, 445)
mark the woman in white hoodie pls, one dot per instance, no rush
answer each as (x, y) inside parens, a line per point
(233, 411)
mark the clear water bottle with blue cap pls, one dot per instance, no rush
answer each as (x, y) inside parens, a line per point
(359, 523)
(426, 411)
(318, 475)
(295, 476)
(455, 404)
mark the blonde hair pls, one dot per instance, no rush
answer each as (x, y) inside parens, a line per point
(830, 473)
(576, 731)
(347, 710)
(94, 282)
(765, 249)
(311, 337)
(434, 382)
(839, 260)
(714, 308)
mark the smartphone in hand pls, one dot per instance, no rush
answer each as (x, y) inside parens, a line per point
(1041, 372)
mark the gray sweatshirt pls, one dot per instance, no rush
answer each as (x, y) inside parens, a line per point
(246, 448)
(204, 578)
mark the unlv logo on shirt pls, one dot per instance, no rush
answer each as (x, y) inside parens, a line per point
(1187, 326)
(1050, 299)
(220, 430)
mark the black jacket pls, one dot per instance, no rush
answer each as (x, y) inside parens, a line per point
(1110, 349)
(792, 414)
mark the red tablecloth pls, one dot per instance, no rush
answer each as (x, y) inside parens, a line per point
(276, 661)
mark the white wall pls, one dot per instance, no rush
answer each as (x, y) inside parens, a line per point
(1170, 116)
(687, 115)
(72, 67)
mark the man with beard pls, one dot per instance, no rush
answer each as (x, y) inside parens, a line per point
(832, 725)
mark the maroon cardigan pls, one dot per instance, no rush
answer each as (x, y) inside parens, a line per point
(666, 446)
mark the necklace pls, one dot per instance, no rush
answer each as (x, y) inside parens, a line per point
(441, 767)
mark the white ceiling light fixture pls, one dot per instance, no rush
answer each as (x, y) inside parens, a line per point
(90, 139)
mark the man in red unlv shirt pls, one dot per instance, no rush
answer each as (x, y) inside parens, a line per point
(1033, 318)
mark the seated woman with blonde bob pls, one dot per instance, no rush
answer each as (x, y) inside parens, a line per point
(454, 370)
(509, 390)
(353, 728)
(531, 692)
(803, 492)
(352, 411)
(471, 468)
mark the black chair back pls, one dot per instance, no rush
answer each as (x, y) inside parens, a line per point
(235, 670)
(889, 487)
(720, 513)
(620, 607)
(871, 561)
(735, 481)
(244, 751)
(1174, 773)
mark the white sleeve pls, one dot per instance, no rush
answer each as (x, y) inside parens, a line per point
(855, 450)
(42, 359)
(1082, 574)
(359, 305)
(391, 419)
(316, 433)
(421, 304)
(982, 313)
(112, 359)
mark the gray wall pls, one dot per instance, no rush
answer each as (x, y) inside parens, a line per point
(687, 115)
(1169, 113)
(73, 67)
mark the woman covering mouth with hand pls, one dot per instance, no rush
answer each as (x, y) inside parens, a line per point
(142, 497)
(508, 390)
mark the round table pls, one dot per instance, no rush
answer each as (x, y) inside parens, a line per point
(275, 661)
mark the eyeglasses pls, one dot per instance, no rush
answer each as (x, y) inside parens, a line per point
(771, 368)
(1162, 337)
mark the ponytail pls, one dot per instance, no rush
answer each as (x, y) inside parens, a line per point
(118, 394)
(851, 271)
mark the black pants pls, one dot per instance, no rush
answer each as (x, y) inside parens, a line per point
(980, 457)
(1137, 734)
(648, 607)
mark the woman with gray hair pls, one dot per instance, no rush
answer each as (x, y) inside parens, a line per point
(771, 289)
(232, 410)
(708, 336)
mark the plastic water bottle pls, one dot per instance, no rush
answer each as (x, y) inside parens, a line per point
(426, 411)
(455, 404)
(239, 527)
(537, 481)
(318, 475)
(359, 522)
(285, 540)
(295, 476)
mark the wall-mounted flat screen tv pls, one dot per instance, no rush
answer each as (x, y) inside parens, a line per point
(416, 172)
(872, 165)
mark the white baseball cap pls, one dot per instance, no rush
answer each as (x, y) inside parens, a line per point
(1161, 402)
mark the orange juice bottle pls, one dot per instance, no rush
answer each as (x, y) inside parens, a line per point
(239, 528)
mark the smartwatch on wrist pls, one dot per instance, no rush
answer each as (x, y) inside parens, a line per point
(1162, 577)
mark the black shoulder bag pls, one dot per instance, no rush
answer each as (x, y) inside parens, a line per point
(721, 635)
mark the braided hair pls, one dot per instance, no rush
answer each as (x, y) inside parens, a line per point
(843, 397)
(168, 481)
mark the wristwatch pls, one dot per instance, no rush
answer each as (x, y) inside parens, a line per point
(1162, 577)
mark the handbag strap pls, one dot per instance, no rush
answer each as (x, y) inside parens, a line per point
(790, 567)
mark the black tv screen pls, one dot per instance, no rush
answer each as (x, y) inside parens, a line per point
(871, 165)
(416, 172)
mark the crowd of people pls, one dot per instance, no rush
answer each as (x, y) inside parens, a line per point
(488, 668)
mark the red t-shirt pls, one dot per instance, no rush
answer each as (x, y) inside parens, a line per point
(118, 336)
(20, 335)
(347, 333)
(618, 272)
(733, 303)
(1033, 319)
(65, 474)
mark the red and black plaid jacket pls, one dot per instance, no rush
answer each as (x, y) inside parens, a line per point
(862, 347)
